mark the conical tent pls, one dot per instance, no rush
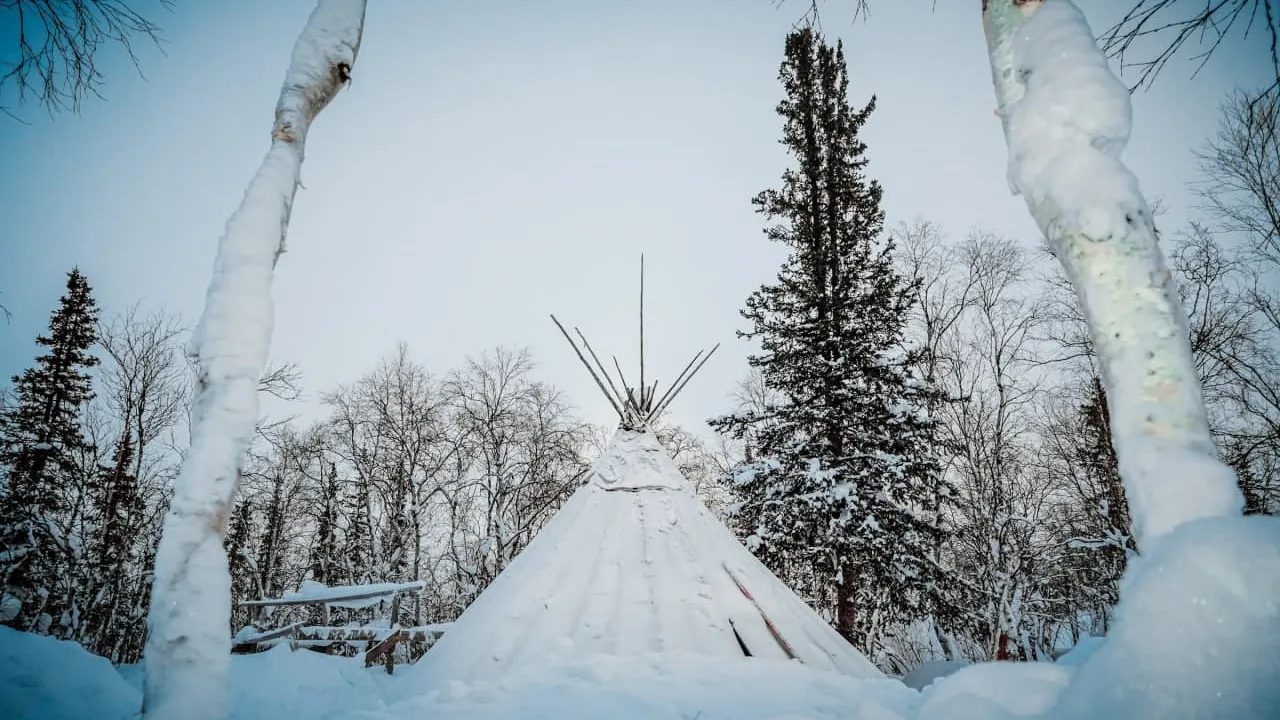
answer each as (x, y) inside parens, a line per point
(635, 563)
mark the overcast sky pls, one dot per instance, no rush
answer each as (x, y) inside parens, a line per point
(495, 161)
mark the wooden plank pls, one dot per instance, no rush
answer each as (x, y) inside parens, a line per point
(362, 634)
(270, 634)
(773, 629)
(277, 602)
(382, 650)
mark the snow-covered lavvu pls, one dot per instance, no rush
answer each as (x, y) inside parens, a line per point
(960, 480)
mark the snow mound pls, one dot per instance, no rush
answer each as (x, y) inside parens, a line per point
(299, 685)
(930, 672)
(1197, 631)
(667, 686)
(46, 679)
(1082, 651)
(995, 691)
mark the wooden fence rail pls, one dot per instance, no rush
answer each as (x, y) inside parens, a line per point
(380, 642)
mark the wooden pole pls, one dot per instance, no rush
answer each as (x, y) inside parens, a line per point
(677, 388)
(587, 365)
(679, 377)
(642, 328)
(622, 402)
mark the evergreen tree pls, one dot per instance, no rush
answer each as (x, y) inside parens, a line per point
(239, 563)
(1100, 528)
(357, 546)
(116, 519)
(323, 557)
(845, 471)
(40, 437)
(324, 548)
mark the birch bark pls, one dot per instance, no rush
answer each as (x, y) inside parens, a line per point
(188, 649)
(1066, 120)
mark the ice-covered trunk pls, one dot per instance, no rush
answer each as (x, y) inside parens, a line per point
(1066, 119)
(188, 649)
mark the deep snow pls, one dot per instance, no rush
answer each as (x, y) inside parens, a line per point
(1197, 635)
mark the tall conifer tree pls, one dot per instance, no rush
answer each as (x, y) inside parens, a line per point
(40, 437)
(845, 472)
(115, 516)
(243, 570)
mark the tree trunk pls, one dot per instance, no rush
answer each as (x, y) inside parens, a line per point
(846, 609)
(188, 649)
(1066, 121)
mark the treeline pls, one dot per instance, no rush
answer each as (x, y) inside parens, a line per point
(408, 475)
(1037, 531)
(414, 476)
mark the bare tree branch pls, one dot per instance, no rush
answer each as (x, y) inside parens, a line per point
(1206, 24)
(812, 17)
(59, 42)
(282, 382)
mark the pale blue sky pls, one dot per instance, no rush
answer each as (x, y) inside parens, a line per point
(495, 161)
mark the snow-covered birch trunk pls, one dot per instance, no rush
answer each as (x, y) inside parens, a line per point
(189, 646)
(1066, 120)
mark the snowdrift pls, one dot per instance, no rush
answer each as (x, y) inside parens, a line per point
(1197, 636)
(46, 679)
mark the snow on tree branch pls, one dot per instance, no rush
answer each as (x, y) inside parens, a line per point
(1066, 120)
(188, 649)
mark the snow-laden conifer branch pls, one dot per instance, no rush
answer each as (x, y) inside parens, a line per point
(189, 646)
(1067, 119)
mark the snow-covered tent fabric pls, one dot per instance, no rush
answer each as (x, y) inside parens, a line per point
(634, 563)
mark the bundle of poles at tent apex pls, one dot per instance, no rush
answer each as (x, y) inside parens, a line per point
(637, 409)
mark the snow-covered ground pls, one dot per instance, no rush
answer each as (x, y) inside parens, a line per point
(1202, 641)
(46, 679)
(1197, 635)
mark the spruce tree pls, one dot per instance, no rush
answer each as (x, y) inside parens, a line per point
(239, 563)
(116, 516)
(324, 548)
(845, 471)
(1103, 516)
(40, 437)
(323, 557)
(357, 546)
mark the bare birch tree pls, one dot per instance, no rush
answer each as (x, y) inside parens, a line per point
(188, 649)
(391, 434)
(1100, 227)
(1238, 286)
(143, 393)
(519, 460)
